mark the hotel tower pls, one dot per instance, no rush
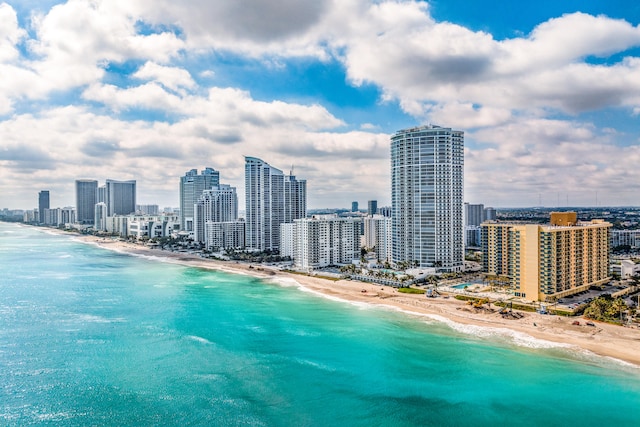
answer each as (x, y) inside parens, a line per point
(547, 262)
(427, 197)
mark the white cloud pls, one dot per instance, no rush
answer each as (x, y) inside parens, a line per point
(10, 33)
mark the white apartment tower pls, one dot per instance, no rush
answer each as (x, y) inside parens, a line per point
(378, 234)
(219, 204)
(191, 187)
(295, 198)
(321, 241)
(427, 169)
(271, 199)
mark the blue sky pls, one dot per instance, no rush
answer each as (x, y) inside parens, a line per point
(547, 92)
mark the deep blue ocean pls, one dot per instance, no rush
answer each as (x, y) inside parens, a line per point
(93, 337)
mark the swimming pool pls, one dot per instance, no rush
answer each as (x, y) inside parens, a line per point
(462, 285)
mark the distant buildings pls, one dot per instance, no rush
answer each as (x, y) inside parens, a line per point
(474, 216)
(191, 187)
(354, 206)
(86, 199)
(372, 207)
(378, 235)
(148, 209)
(270, 200)
(385, 211)
(321, 241)
(543, 262)
(629, 238)
(43, 203)
(427, 197)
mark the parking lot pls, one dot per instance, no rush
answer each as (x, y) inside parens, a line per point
(585, 297)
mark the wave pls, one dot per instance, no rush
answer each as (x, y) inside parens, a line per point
(199, 339)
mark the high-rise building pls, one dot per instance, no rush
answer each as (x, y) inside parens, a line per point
(271, 200)
(474, 215)
(100, 216)
(354, 206)
(219, 204)
(546, 262)
(372, 206)
(191, 187)
(121, 197)
(378, 235)
(43, 203)
(101, 194)
(86, 199)
(385, 211)
(427, 169)
(295, 198)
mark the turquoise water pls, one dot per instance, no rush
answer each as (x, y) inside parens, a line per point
(461, 286)
(92, 337)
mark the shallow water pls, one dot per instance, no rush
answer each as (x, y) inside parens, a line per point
(93, 337)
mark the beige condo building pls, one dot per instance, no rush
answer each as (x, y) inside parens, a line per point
(545, 262)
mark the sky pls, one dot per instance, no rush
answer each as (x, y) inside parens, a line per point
(547, 93)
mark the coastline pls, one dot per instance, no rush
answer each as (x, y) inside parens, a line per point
(616, 342)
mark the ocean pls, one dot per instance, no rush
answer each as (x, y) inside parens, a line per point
(94, 337)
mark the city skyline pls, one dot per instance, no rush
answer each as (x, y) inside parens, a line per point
(548, 96)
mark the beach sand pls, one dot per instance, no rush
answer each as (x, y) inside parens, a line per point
(622, 343)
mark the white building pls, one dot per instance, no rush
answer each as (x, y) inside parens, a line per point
(140, 226)
(295, 198)
(100, 216)
(147, 210)
(152, 226)
(215, 220)
(224, 235)
(271, 200)
(321, 241)
(191, 187)
(625, 237)
(378, 234)
(427, 183)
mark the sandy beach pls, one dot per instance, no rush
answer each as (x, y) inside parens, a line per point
(622, 343)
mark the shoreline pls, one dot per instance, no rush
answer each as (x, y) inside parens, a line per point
(551, 331)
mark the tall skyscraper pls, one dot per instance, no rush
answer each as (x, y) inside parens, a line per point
(295, 198)
(427, 169)
(354, 206)
(86, 199)
(264, 198)
(43, 203)
(121, 197)
(191, 187)
(271, 199)
(372, 207)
